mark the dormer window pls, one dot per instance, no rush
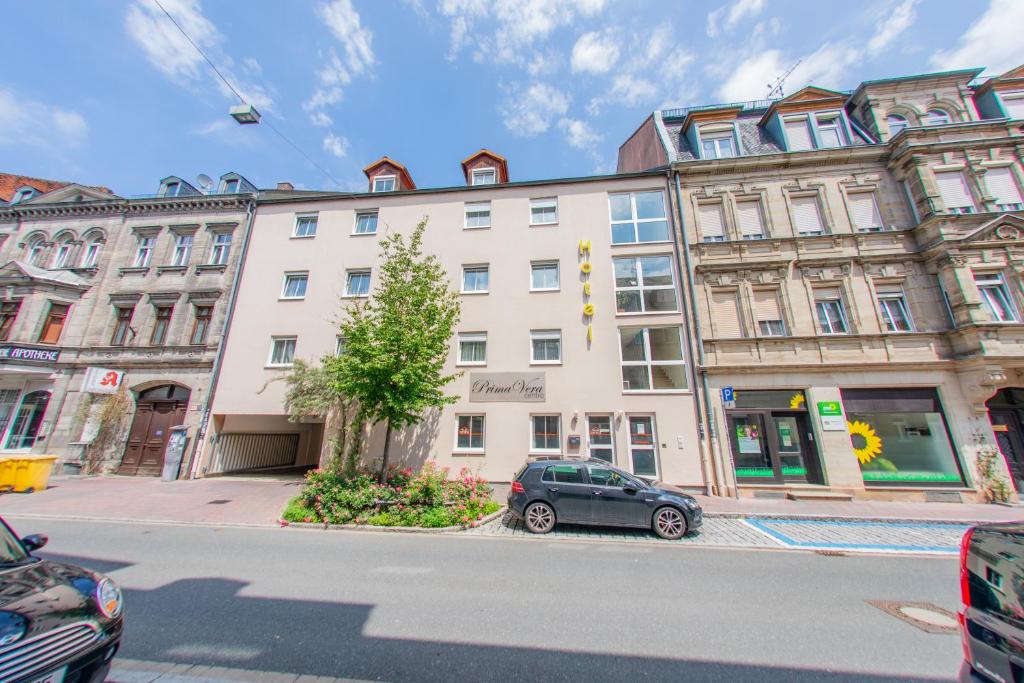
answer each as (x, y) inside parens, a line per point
(830, 131)
(231, 186)
(896, 123)
(171, 189)
(484, 176)
(798, 134)
(718, 145)
(384, 183)
(24, 195)
(937, 117)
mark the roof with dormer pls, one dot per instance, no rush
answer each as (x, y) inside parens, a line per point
(501, 163)
(808, 98)
(1011, 80)
(11, 183)
(407, 182)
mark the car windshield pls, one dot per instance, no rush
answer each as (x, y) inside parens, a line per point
(11, 551)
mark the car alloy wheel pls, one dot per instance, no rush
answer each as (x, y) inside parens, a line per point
(669, 523)
(540, 518)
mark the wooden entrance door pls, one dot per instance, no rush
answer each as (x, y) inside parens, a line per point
(1007, 429)
(147, 439)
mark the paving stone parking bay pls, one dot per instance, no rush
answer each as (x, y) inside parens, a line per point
(750, 532)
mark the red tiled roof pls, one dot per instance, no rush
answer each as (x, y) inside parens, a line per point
(10, 183)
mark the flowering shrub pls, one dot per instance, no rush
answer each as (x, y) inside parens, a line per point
(425, 499)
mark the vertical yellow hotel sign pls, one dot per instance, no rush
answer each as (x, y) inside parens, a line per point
(585, 268)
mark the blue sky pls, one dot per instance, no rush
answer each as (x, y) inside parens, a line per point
(108, 92)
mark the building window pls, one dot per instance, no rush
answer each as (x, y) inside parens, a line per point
(937, 117)
(366, 222)
(638, 217)
(484, 176)
(643, 453)
(23, 195)
(475, 279)
(644, 284)
(830, 131)
(768, 313)
(900, 436)
(1004, 188)
(144, 251)
(339, 346)
(305, 226)
(357, 283)
(546, 433)
(221, 249)
(230, 186)
(122, 325)
(994, 293)
(25, 427)
(718, 145)
(161, 325)
(282, 351)
(92, 254)
(956, 194)
(544, 211)
(807, 216)
(712, 222)
(544, 276)
(35, 252)
(652, 358)
(171, 189)
(864, 213)
(1013, 104)
(8, 314)
(896, 123)
(201, 327)
(600, 444)
(798, 134)
(750, 219)
(61, 258)
(384, 183)
(182, 250)
(828, 303)
(295, 285)
(469, 433)
(893, 306)
(472, 348)
(478, 214)
(53, 325)
(546, 347)
(726, 321)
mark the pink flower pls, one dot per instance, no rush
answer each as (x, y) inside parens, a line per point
(480, 516)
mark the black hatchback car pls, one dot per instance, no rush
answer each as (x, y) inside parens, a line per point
(58, 623)
(547, 492)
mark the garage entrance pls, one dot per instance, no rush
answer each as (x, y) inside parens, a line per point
(156, 411)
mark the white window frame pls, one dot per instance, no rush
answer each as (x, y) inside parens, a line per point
(887, 300)
(227, 186)
(807, 126)
(274, 341)
(144, 251)
(471, 337)
(486, 267)
(23, 195)
(91, 255)
(635, 221)
(483, 172)
(929, 120)
(649, 363)
(641, 287)
(476, 207)
(339, 345)
(654, 443)
(63, 255)
(873, 196)
(533, 434)
(348, 282)
(301, 218)
(545, 335)
(558, 276)
(609, 446)
(291, 276)
(830, 121)
(366, 213)
(35, 251)
(840, 307)
(167, 191)
(543, 203)
(483, 433)
(715, 138)
(818, 206)
(763, 325)
(183, 243)
(220, 252)
(378, 178)
(899, 126)
(995, 284)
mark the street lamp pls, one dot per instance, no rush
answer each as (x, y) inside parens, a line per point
(244, 114)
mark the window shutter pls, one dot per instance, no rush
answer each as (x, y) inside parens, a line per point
(889, 290)
(1014, 107)
(1002, 185)
(798, 135)
(748, 213)
(806, 217)
(766, 305)
(725, 314)
(864, 210)
(827, 294)
(712, 225)
(953, 188)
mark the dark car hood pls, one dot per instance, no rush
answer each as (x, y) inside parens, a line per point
(47, 595)
(669, 488)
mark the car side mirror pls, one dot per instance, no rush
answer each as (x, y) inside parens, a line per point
(630, 489)
(34, 542)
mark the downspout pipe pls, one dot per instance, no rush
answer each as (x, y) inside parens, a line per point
(218, 361)
(703, 444)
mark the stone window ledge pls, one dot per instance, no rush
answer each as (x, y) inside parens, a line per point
(211, 268)
(181, 270)
(144, 270)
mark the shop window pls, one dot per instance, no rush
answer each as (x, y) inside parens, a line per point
(24, 430)
(546, 433)
(8, 399)
(470, 433)
(54, 323)
(638, 217)
(644, 284)
(900, 437)
(201, 326)
(8, 314)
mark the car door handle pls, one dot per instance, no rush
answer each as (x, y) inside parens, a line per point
(596, 493)
(553, 489)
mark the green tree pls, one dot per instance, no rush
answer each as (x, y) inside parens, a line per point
(312, 391)
(396, 342)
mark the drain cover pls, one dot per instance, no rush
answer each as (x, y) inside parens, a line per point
(924, 615)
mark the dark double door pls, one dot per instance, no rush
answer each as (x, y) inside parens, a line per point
(147, 440)
(1006, 413)
(773, 446)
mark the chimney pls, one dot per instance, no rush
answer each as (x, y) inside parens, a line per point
(285, 186)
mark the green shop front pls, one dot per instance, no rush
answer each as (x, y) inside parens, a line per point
(771, 437)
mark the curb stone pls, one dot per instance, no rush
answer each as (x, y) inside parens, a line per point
(396, 529)
(843, 518)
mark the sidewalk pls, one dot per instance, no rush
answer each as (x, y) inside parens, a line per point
(138, 671)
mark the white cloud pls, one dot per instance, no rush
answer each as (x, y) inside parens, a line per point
(655, 66)
(528, 112)
(579, 134)
(595, 52)
(336, 145)
(356, 42)
(749, 80)
(891, 24)
(320, 119)
(37, 124)
(992, 41)
(739, 10)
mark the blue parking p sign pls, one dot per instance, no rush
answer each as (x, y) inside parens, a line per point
(728, 396)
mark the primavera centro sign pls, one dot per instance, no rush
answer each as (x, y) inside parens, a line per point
(25, 353)
(509, 387)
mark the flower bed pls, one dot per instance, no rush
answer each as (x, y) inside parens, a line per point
(426, 499)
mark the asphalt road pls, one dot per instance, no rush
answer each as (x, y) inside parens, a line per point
(401, 607)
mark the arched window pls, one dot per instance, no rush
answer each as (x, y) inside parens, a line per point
(62, 254)
(91, 251)
(937, 117)
(35, 251)
(896, 123)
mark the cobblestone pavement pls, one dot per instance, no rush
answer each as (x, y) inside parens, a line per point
(838, 535)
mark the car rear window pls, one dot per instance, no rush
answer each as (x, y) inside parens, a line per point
(521, 471)
(564, 474)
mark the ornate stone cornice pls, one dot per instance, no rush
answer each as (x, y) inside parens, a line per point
(127, 207)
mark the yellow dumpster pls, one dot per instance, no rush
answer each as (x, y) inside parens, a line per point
(32, 472)
(7, 469)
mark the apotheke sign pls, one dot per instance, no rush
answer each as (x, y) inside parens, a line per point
(8, 352)
(510, 387)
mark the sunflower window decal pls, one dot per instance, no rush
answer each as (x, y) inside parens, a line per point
(867, 445)
(797, 400)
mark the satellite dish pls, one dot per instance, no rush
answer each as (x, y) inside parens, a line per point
(205, 181)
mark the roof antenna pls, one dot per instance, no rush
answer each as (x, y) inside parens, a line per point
(775, 89)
